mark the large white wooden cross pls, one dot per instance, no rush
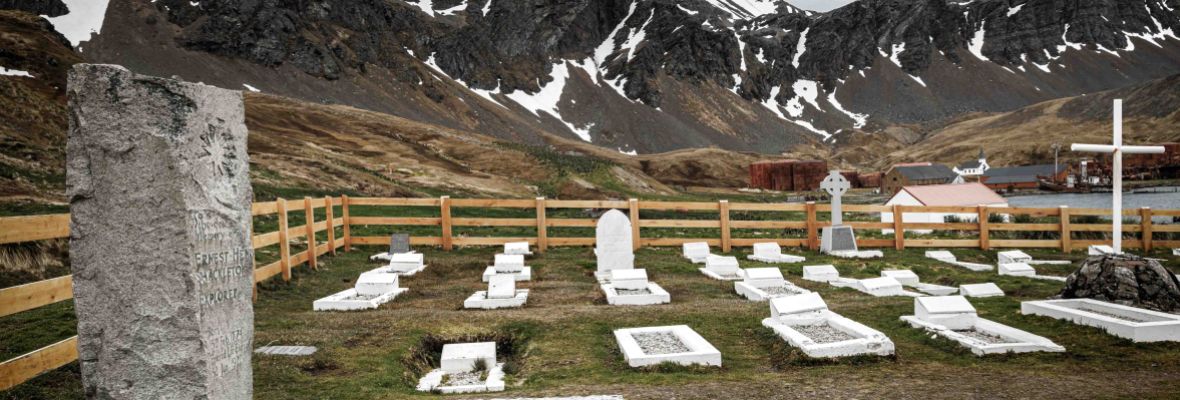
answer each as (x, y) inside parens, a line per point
(1117, 148)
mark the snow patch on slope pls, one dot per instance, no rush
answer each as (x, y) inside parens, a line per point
(859, 120)
(800, 47)
(975, 46)
(14, 72)
(85, 17)
(547, 98)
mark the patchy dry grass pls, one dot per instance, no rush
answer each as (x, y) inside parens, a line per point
(570, 349)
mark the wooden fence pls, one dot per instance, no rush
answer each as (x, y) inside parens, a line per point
(695, 215)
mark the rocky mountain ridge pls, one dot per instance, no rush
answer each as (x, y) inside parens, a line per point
(654, 75)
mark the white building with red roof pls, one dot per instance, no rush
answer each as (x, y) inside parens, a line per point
(964, 195)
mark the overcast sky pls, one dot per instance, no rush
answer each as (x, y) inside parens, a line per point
(819, 5)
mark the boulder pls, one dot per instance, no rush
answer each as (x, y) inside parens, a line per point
(1125, 279)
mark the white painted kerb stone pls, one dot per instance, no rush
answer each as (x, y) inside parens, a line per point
(1137, 324)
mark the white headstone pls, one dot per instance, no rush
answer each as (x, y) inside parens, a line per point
(722, 265)
(954, 312)
(801, 303)
(629, 279)
(461, 357)
(501, 286)
(820, 273)
(1013, 256)
(884, 286)
(768, 250)
(612, 242)
(376, 284)
(905, 276)
(1016, 269)
(695, 250)
(509, 262)
(981, 290)
(521, 248)
(764, 277)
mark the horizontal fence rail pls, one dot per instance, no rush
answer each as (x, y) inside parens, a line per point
(793, 225)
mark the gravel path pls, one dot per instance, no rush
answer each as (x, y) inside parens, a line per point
(823, 333)
(983, 337)
(655, 343)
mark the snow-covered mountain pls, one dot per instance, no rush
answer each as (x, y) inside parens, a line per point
(654, 75)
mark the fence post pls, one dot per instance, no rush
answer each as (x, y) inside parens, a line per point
(542, 233)
(983, 229)
(346, 223)
(309, 225)
(898, 231)
(445, 210)
(723, 206)
(812, 243)
(1066, 234)
(284, 242)
(1145, 225)
(331, 228)
(634, 205)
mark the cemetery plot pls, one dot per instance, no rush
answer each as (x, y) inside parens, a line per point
(761, 284)
(980, 290)
(805, 322)
(954, 318)
(465, 368)
(723, 268)
(1017, 256)
(1025, 270)
(405, 264)
(677, 344)
(947, 257)
(696, 252)
(910, 279)
(509, 265)
(630, 287)
(773, 253)
(878, 287)
(371, 291)
(501, 293)
(1137, 324)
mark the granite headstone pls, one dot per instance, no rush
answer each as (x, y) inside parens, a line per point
(159, 189)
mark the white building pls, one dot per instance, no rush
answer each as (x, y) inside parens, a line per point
(966, 195)
(975, 167)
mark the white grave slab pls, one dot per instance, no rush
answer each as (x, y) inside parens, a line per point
(370, 291)
(612, 241)
(696, 251)
(294, 351)
(501, 293)
(947, 257)
(405, 264)
(771, 252)
(820, 273)
(981, 290)
(1176, 252)
(517, 248)
(805, 322)
(1012, 257)
(461, 358)
(765, 283)
(505, 263)
(1137, 324)
(1099, 249)
(953, 318)
(857, 254)
(631, 288)
(909, 279)
(1027, 271)
(880, 287)
(398, 243)
(692, 349)
(904, 276)
(723, 268)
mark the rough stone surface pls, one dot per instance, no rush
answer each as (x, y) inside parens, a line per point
(1125, 279)
(656, 343)
(159, 191)
(823, 333)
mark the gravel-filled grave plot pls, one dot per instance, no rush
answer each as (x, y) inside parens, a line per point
(983, 336)
(632, 292)
(823, 333)
(1095, 310)
(781, 290)
(655, 343)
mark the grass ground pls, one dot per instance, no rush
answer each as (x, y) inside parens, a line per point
(570, 349)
